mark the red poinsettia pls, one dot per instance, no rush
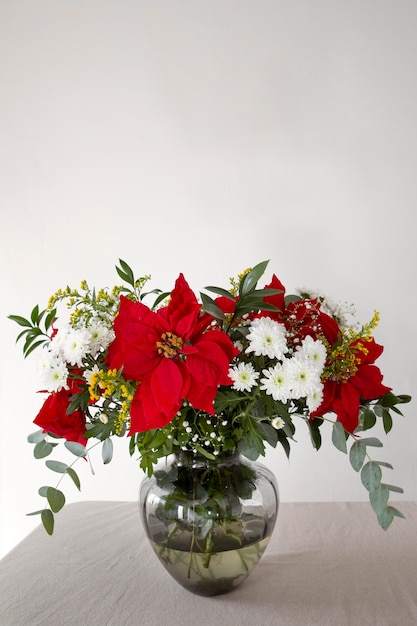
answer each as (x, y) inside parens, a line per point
(173, 355)
(53, 417)
(357, 377)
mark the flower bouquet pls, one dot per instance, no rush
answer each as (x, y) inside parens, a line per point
(232, 371)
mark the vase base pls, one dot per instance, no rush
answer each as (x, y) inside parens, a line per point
(214, 573)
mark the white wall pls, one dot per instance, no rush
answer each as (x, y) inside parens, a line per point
(204, 137)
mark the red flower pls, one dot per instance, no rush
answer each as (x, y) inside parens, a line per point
(172, 354)
(53, 417)
(343, 396)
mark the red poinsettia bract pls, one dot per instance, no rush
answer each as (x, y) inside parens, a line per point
(343, 395)
(53, 417)
(173, 355)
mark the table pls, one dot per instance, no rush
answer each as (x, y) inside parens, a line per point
(326, 564)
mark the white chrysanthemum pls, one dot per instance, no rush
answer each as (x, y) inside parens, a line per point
(315, 399)
(88, 374)
(268, 338)
(303, 377)
(244, 376)
(277, 423)
(314, 351)
(276, 382)
(53, 373)
(75, 346)
(99, 337)
(56, 344)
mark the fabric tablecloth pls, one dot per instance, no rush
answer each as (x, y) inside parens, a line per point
(326, 564)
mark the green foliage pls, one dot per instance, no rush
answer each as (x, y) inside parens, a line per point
(36, 328)
(371, 470)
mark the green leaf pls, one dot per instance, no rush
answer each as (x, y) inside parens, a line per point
(393, 488)
(35, 513)
(74, 476)
(211, 307)
(204, 452)
(250, 280)
(57, 466)
(42, 449)
(76, 448)
(385, 517)
(357, 454)
(34, 316)
(221, 292)
(125, 273)
(384, 464)
(339, 437)
(371, 475)
(27, 350)
(56, 499)
(372, 441)
(379, 498)
(48, 521)
(368, 419)
(20, 320)
(397, 513)
(107, 451)
(315, 435)
(386, 421)
(37, 436)
(50, 318)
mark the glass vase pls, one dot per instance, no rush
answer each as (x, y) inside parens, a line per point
(209, 521)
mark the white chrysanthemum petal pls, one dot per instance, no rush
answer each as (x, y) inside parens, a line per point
(99, 338)
(276, 382)
(53, 373)
(314, 350)
(303, 377)
(267, 338)
(314, 400)
(244, 376)
(277, 423)
(75, 347)
(89, 373)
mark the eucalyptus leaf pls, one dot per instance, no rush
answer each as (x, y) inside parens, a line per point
(57, 466)
(372, 441)
(76, 448)
(339, 437)
(385, 517)
(56, 499)
(393, 488)
(48, 521)
(37, 436)
(357, 454)
(74, 477)
(379, 498)
(42, 449)
(107, 451)
(371, 475)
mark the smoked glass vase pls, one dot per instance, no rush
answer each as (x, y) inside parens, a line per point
(209, 522)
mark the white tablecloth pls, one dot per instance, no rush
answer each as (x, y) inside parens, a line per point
(326, 564)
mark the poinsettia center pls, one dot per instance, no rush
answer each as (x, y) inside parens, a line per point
(169, 345)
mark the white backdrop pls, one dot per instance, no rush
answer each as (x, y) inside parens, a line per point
(203, 137)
